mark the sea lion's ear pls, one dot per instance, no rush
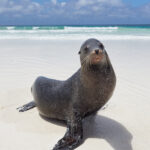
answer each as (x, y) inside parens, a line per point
(79, 52)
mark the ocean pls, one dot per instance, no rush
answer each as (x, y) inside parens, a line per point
(75, 32)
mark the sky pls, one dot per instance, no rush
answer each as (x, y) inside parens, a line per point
(74, 12)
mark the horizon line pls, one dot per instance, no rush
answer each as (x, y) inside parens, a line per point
(76, 25)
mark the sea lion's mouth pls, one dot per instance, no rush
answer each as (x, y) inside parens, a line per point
(96, 59)
(96, 56)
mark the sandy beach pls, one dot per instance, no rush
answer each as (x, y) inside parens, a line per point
(124, 124)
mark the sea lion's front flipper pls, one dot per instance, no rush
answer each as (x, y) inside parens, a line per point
(73, 136)
(27, 106)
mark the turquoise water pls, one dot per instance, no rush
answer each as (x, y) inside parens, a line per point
(74, 32)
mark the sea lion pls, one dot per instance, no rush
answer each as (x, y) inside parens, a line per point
(84, 93)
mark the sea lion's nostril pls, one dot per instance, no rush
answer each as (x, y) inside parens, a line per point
(97, 51)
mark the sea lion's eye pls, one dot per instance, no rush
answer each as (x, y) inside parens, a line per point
(86, 49)
(101, 46)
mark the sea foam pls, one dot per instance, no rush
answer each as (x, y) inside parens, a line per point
(74, 32)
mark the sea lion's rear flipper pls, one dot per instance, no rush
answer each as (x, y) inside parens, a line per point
(27, 106)
(73, 136)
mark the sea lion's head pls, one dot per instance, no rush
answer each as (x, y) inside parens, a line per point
(92, 53)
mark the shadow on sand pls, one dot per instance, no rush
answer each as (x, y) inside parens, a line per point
(110, 130)
(101, 127)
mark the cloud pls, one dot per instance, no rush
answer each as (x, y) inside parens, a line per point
(83, 3)
(13, 7)
(54, 2)
(63, 4)
(146, 9)
(72, 12)
(98, 7)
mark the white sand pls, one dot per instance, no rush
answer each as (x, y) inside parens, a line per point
(123, 125)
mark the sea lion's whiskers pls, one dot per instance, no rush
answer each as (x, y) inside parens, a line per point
(85, 63)
(85, 59)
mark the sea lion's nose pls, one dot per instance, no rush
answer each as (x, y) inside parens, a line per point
(97, 51)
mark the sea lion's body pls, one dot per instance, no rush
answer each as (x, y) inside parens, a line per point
(56, 99)
(83, 93)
